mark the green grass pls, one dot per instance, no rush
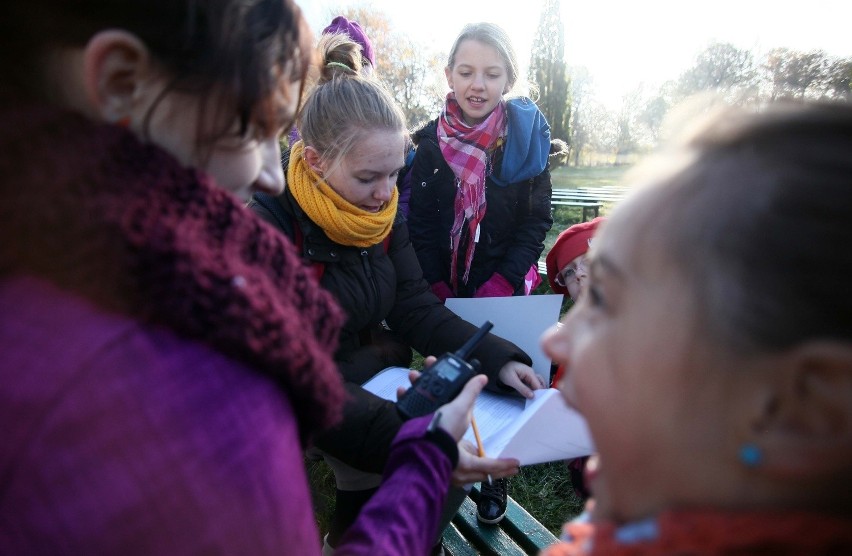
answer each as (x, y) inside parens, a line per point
(321, 479)
(586, 176)
(543, 490)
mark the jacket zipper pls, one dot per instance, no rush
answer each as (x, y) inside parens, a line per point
(368, 270)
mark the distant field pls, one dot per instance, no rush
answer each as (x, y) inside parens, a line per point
(587, 176)
(571, 178)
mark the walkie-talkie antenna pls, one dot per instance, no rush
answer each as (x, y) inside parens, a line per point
(466, 349)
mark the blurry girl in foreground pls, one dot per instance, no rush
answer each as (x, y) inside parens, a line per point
(712, 350)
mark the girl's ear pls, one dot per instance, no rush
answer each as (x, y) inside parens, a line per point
(805, 427)
(314, 160)
(448, 72)
(116, 65)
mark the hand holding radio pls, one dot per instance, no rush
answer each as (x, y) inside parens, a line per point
(443, 380)
(451, 375)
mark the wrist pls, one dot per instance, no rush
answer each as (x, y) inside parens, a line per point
(442, 439)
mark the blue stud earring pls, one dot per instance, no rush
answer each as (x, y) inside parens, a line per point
(750, 455)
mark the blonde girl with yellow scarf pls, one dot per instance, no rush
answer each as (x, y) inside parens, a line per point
(339, 207)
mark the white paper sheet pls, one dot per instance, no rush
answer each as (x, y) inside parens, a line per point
(520, 319)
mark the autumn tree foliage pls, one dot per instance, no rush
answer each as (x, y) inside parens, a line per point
(548, 70)
(413, 74)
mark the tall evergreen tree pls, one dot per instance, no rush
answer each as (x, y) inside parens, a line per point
(548, 72)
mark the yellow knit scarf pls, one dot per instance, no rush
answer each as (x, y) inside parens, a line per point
(343, 222)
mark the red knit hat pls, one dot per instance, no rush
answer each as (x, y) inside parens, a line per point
(570, 244)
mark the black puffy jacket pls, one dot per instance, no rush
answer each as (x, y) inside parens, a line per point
(512, 233)
(372, 285)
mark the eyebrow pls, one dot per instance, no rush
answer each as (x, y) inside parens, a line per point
(602, 265)
(375, 173)
(487, 68)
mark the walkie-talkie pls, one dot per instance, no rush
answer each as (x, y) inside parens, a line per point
(442, 381)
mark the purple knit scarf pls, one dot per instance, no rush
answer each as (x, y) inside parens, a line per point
(96, 212)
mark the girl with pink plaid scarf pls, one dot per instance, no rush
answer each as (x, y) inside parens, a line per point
(480, 188)
(480, 200)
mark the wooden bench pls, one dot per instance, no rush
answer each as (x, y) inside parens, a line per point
(607, 195)
(589, 206)
(590, 199)
(517, 534)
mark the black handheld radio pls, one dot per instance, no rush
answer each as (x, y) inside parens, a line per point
(442, 381)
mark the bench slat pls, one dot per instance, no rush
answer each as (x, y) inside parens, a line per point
(518, 534)
(526, 530)
(455, 544)
(487, 539)
(575, 203)
(556, 195)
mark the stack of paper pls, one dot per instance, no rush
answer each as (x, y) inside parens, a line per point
(533, 431)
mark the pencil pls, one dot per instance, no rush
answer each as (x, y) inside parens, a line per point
(479, 447)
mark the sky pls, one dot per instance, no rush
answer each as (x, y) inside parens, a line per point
(623, 43)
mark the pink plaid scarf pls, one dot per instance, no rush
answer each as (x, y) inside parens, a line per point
(465, 149)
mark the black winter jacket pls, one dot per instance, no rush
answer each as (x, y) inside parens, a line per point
(374, 285)
(512, 233)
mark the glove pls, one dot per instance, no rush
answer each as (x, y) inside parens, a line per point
(442, 291)
(531, 280)
(496, 286)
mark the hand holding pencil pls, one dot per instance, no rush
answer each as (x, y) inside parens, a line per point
(479, 446)
(474, 465)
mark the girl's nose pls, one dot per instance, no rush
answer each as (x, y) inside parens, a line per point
(551, 340)
(271, 177)
(556, 340)
(581, 271)
(384, 192)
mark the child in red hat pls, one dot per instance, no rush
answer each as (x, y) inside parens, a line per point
(566, 269)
